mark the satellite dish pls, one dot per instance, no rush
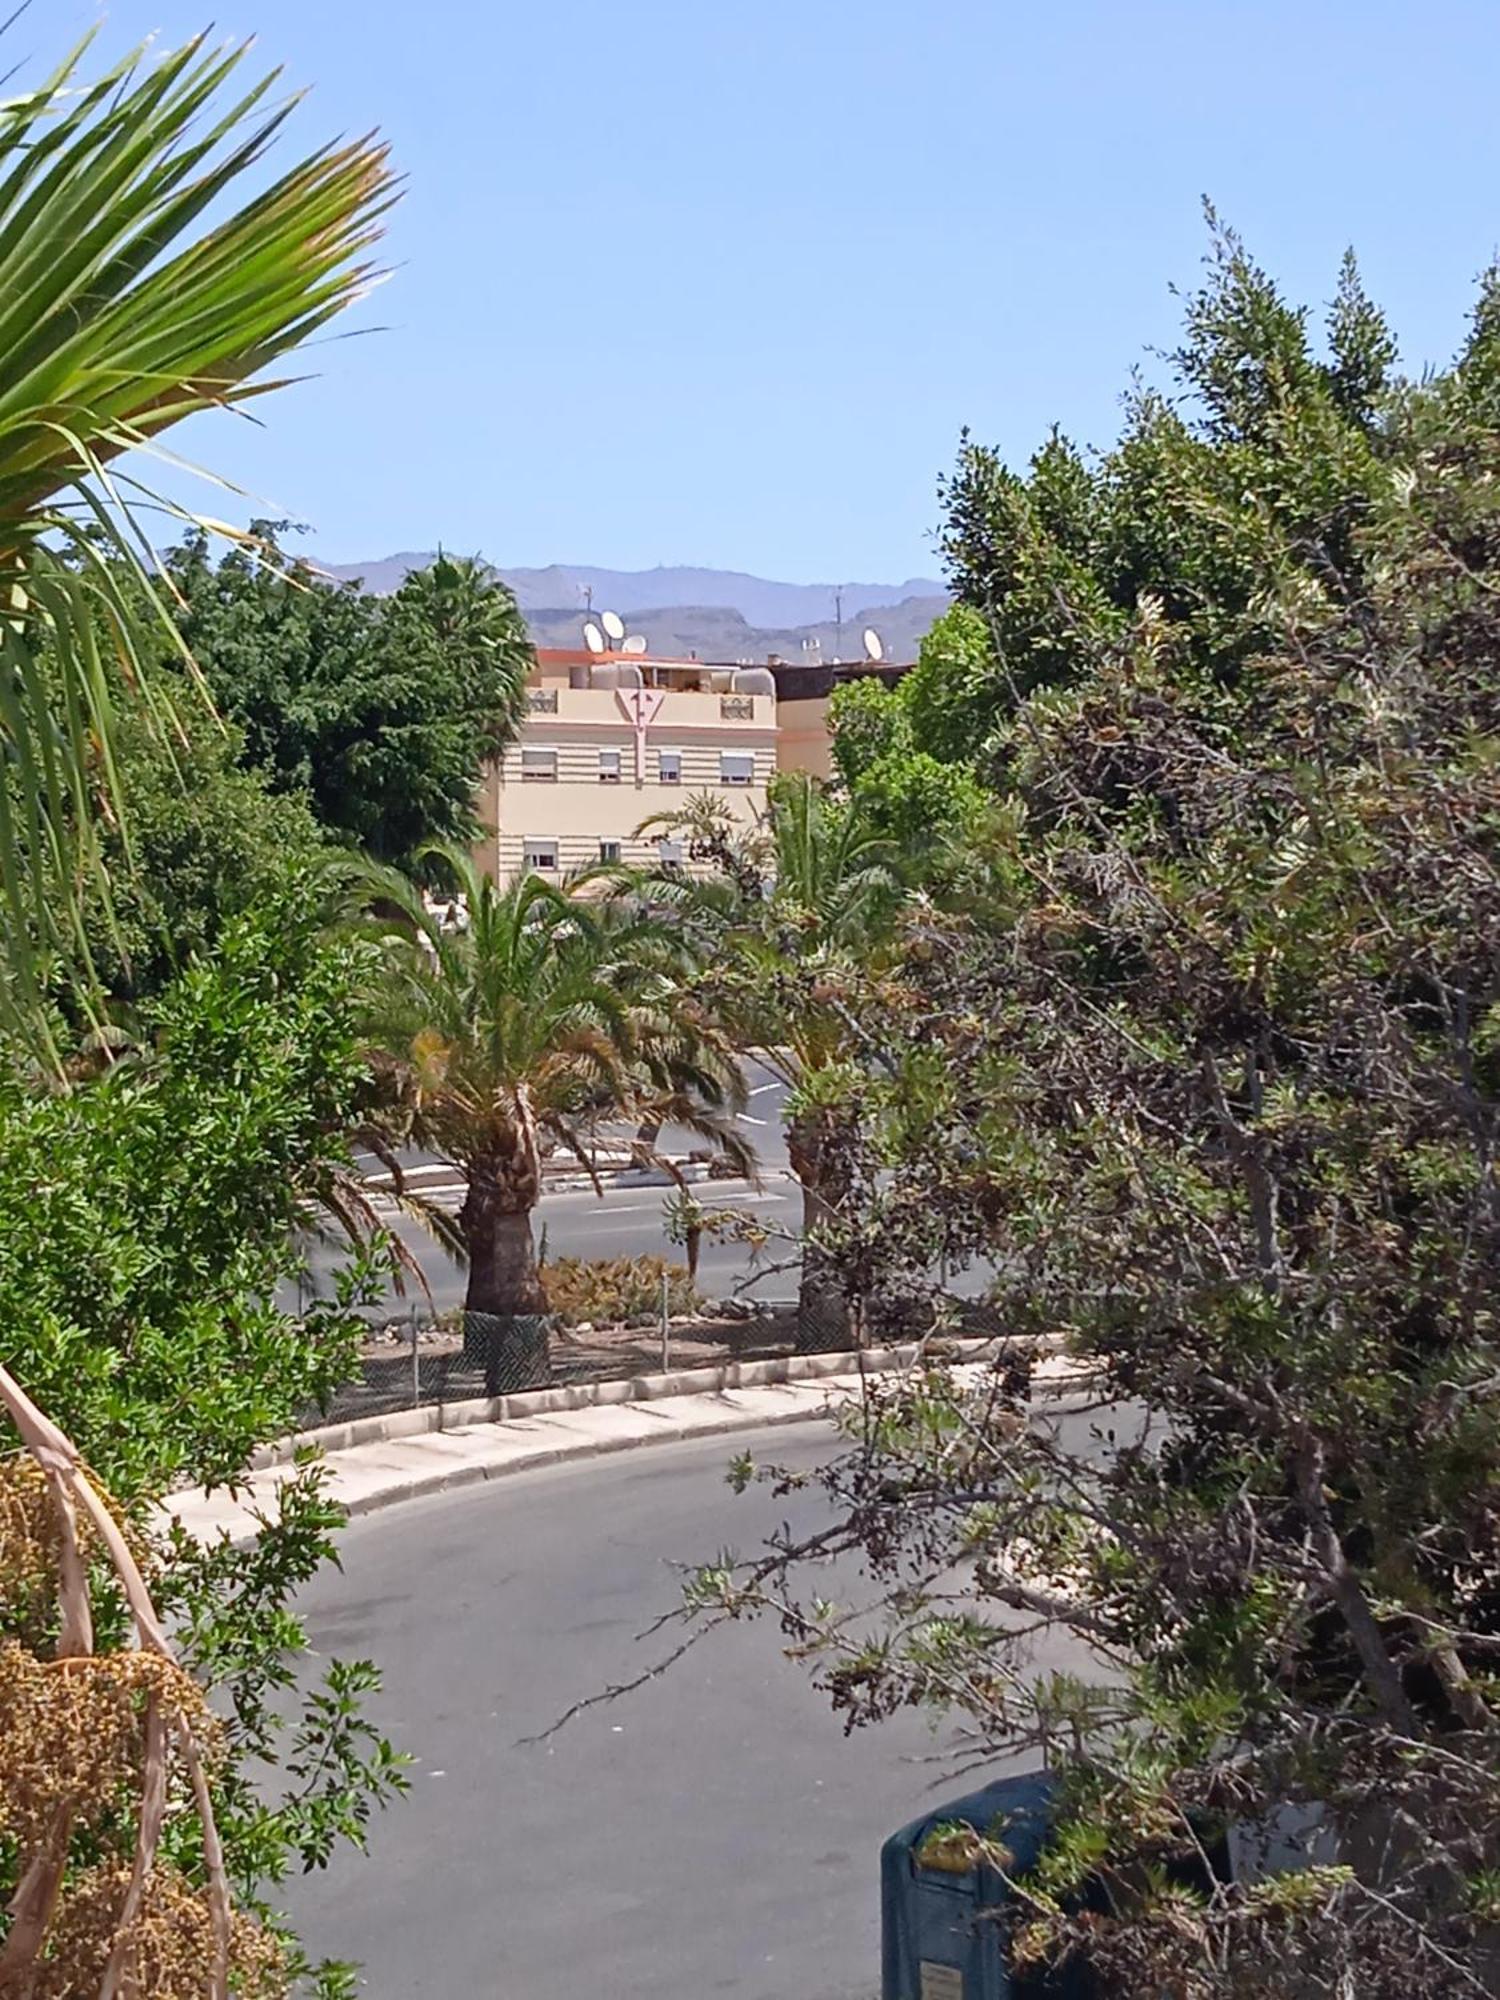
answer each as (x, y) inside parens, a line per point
(593, 638)
(634, 644)
(874, 644)
(613, 624)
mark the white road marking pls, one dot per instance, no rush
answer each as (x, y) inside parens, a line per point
(761, 1088)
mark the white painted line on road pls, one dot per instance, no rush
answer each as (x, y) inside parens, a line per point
(433, 1193)
(430, 1167)
(761, 1088)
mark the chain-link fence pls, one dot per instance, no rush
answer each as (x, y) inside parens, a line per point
(459, 1358)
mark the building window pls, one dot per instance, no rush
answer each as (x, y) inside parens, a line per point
(736, 767)
(609, 850)
(541, 854)
(669, 853)
(669, 766)
(609, 767)
(539, 767)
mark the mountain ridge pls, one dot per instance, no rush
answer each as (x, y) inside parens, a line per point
(567, 587)
(683, 609)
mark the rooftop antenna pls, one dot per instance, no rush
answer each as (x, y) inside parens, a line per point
(614, 625)
(838, 624)
(593, 638)
(874, 644)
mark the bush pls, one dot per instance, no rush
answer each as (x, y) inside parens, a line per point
(616, 1291)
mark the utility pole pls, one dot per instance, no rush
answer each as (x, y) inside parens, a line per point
(838, 624)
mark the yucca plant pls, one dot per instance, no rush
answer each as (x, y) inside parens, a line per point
(123, 310)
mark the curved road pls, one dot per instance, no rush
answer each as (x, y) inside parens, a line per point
(714, 1833)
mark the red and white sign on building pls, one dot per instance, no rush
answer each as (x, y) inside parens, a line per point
(641, 706)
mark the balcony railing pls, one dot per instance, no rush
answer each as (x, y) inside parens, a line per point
(542, 701)
(736, 708)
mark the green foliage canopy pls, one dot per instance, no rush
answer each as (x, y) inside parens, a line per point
(147, 1215)
(208, 841)
(925, 802)
(1212, 1078)
(379, 712)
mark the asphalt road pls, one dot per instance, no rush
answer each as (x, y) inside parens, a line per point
(714, 1833)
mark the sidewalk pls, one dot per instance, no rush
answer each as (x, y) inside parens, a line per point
(378, 1461)
(380, 1473)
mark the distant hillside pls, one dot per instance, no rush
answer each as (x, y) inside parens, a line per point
(710, 633)
(717, 614)
(759, 601)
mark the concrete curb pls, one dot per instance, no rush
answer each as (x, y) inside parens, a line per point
(372, 1477)
(550, 1427)
(590, 1395)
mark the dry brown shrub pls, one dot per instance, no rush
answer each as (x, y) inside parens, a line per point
(97, 1750)
(167, 1949)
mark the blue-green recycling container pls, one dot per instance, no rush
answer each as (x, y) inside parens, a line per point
(942, 1928)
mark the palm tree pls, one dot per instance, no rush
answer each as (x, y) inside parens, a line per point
(547, 1015)
(121, 313)
(780, 915)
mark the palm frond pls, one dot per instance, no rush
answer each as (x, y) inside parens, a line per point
(549, 1006)
(121, 313)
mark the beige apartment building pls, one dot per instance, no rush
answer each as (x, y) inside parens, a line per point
(612, 740)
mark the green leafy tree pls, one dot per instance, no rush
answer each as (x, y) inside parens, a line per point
(462, 628)
(544, 1016)
(207, 842)
(954, 661)
(868, 722)
(139, 1270)
(928, 807)
(381, 713)
(1213, 1081)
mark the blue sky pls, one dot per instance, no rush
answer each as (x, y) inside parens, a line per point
(720, 283)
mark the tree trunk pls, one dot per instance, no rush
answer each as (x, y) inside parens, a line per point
(503, 1274)
(823, 1320)
(505, 1304)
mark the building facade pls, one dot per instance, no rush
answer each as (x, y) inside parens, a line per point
(611, 741)
(805, 741)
